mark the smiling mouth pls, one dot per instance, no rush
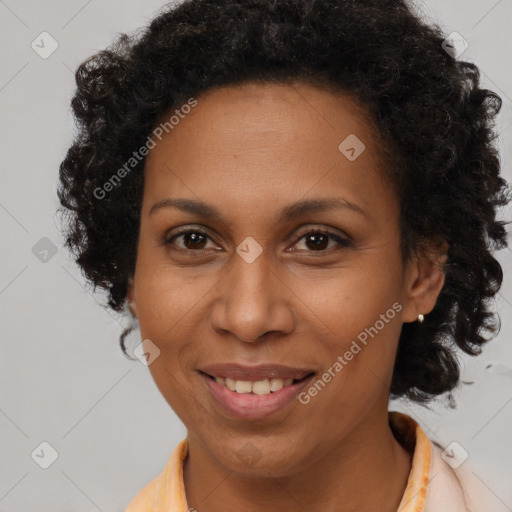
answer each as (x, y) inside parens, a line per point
(259, 387)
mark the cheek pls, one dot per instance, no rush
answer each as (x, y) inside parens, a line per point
(359, 312)
(170, 381)
(350, 299)
(357, 375)
(371, 324)
(165, 296)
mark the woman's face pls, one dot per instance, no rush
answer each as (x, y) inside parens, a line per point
(253, 286)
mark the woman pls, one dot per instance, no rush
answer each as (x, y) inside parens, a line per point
(297, 202)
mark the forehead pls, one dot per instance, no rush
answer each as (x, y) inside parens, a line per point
(251, 145)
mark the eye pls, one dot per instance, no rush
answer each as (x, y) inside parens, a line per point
(192, 240)
(318, 240)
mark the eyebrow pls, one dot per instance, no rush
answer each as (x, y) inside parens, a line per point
(286, 213)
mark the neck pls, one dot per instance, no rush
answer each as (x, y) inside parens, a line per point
(366, 470)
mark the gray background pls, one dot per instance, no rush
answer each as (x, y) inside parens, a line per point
(63, 378)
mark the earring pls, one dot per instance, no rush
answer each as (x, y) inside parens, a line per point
(421, 318)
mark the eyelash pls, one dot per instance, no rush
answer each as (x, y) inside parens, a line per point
(344, 243)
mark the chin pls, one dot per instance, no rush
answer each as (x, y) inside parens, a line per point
(258, 459)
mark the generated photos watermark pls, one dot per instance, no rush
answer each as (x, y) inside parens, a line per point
(342, 360)
(138, 156)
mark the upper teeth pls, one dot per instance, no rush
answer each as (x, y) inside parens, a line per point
(260, 387)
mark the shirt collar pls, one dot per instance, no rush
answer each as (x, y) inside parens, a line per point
(412, 437)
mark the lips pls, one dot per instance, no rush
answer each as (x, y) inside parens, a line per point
(255, 373)
(249, 405)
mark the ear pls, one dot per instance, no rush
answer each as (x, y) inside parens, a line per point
(131, 297)
(424, 281)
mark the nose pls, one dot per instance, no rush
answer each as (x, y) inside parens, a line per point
(252, 301)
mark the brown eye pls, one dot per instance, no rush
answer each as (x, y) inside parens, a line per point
(192, 240)
(318, 240)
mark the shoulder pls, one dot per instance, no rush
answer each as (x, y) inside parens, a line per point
(166, 492)
(145, 500)
(452, 485)
(439, 479)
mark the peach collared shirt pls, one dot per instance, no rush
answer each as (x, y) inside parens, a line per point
(432, 484)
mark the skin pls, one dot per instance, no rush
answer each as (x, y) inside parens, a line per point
(249, 151)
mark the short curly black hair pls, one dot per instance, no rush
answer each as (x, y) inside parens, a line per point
(433, 117)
